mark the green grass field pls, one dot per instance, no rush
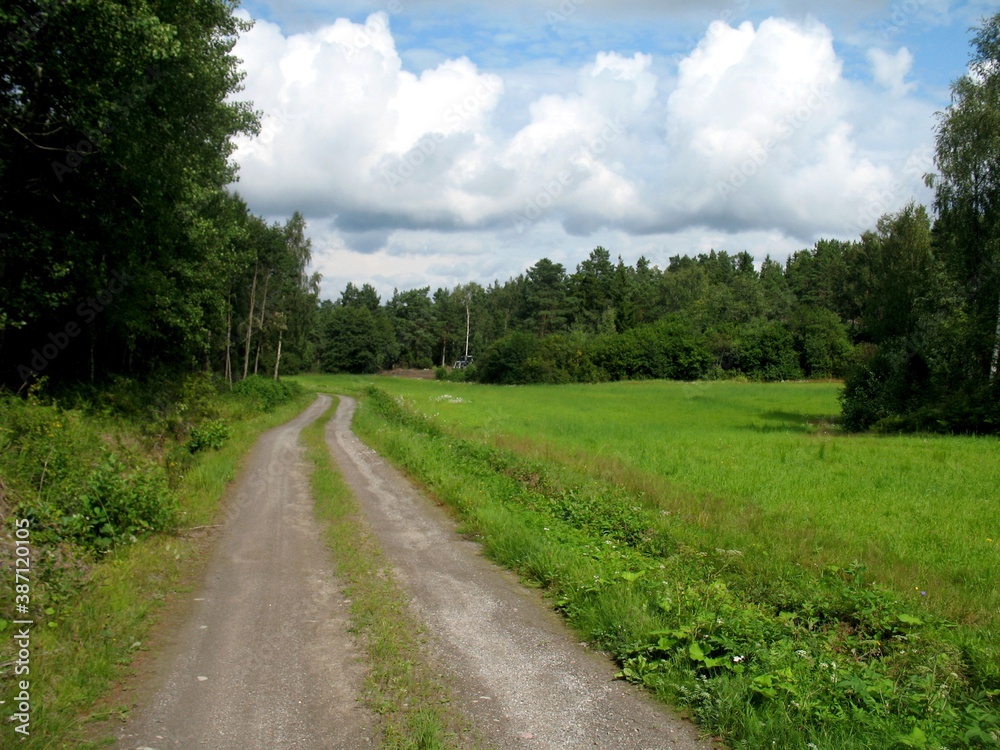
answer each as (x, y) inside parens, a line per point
(757, 466)
(784, 582)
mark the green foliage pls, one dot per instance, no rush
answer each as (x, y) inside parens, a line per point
(766, 351)
(118, 505)
(208, 436)
(355, 340)
(668, 350)
(70, 489)
(512, 360)
(264, 394)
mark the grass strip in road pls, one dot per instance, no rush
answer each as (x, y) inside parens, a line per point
(402, 689)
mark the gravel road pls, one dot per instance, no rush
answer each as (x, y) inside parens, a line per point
(516, 670)
(264, 659)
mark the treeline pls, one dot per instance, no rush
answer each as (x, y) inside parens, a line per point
(121, 251)
(700, 317)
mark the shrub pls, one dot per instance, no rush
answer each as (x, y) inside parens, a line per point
(118, 504)
(668, 350)
(766, 351)
(885, 385)
(264, 394)
(208, 435)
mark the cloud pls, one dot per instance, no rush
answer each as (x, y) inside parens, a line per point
(756, 130)
(890, 71)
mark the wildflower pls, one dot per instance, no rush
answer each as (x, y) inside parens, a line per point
(738, 659)
(802, 653)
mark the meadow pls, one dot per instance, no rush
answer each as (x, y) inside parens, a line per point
(772, 533)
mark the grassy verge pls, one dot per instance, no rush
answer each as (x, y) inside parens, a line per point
(95, 621)
(401, 689)
(761, 650)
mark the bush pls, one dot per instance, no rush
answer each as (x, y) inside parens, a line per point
(668, 350)
(118, 504)
(885, 386)
(511, 360)
(264, 394)
(208, 435)
(766, 351)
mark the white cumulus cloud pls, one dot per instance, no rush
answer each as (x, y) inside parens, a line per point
(890, 71)
(757, 131)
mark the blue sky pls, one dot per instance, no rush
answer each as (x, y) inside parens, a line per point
(431, 143)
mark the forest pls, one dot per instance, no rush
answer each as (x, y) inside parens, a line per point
(126, 254)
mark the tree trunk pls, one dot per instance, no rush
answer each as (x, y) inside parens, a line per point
(277, 359)
(995, 364)
(260, 327)
(444, 351)
(253, 300)
(229, 335)
(467, 328)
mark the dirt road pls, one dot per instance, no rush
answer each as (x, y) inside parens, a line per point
(264, 660)
(515, 669)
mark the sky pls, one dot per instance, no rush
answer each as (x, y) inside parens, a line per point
(432, 143)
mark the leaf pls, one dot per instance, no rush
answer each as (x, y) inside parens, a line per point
(695, 651)
(666, 643)
(631, 577)
(910, 620)
(916, 738)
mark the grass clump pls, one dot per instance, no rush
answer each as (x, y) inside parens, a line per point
(758, 647)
